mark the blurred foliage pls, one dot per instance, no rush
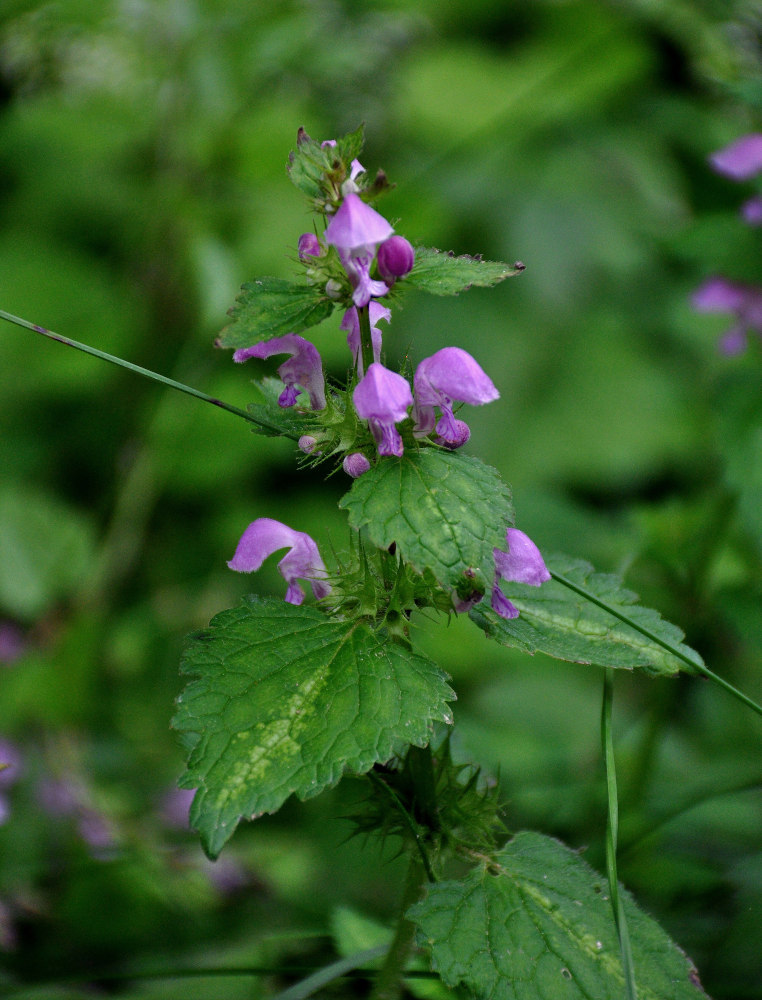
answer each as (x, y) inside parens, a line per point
(142, 181)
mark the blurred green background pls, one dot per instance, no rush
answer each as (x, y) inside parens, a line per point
(142, 180)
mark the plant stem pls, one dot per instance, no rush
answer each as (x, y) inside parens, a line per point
(612, 832)
(145, 372)
(389, 983)
(366, 340)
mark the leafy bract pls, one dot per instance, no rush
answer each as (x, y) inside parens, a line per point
(538, 924)
(446, 513)
(310, 161)
(273, 307)
(556, 620)
(280, 421)
(287, 700)
(443, 273)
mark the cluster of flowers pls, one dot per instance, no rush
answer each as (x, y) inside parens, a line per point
(383, 398)
(741, 161)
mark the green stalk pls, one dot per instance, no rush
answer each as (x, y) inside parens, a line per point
(366, 340)
(389, 983)
(612, 832)
(146, 373)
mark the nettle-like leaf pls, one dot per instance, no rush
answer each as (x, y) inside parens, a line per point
(538, 924)
(442, 273)
(286, 701)
(310, 161)
(273, 307)
(446, 513)
(556, 620)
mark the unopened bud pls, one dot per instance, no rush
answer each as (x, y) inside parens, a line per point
(307, 443)
(309, 246)
(355, 464)
(395, 258)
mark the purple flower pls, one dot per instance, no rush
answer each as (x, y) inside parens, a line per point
(12, 643)
(720, 295)
(356, 464)
(175, 806)
(351, 323)
(395, 258)
(740, 160)
(10, 763)
(449, 375)
(382, 398)
(302, 562)
(522, 563)
(308, 246)
(751, 211)
(356, 230)
(303, 367)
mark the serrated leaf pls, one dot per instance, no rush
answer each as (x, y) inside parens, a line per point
(273, 307)
(446, 512)
(287, 700)
(555, 620)
(443, 273)
(539, 925)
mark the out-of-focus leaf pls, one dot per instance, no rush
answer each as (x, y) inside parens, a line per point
(286, 701)
(538, 924)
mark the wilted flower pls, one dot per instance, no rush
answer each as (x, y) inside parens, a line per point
(351, 323)
(447, 376)
(303, 367)
(382, 398)
(302, 562)
(720, 295)
(356, 230)
(522, 563)
(395, 258)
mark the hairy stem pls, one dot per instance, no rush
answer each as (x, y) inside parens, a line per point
(389, 983)
(366, 340)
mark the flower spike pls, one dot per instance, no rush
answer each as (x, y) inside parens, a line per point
(265, 536)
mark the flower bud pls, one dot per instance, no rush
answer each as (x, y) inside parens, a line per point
(355, 464)
(395, 258)
(309, 246)
(307, 443)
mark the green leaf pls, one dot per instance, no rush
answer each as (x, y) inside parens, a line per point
(273, 307)
(286, 701)
(538, 924)
(445, 274)
(445, 511)
(558, 621)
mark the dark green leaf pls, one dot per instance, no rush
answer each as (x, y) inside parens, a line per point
(538, 925)
(273, 307)
(443, 273)
(445, 511)
(286, 701)
(555, 620)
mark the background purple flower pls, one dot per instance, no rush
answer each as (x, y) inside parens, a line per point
(740, 160)
(720, 295)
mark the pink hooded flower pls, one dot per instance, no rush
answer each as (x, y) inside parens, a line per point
(522, 563)
(303, 367)
(382, 398)
(449, 375)
(302, 562)
(356, 230)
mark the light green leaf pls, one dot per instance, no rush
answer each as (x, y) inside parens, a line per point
(556, 620)
(446, 512)
(443, 273)
(273, 307)
(45, 550)
(538, 924)
(286, 701)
